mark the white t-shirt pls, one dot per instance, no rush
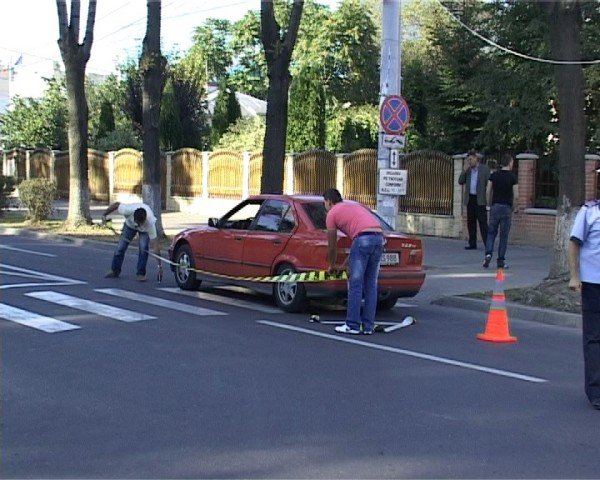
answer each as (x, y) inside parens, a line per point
(149, 226)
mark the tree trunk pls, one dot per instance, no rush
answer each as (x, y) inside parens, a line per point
(276, 129)
(278, 47)
(79, 190)
(564, 19)
(152, 66)
(75, 56)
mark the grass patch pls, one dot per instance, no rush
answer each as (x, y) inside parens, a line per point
(12, 219)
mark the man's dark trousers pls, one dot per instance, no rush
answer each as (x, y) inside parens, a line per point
(590, 306)
(476, 214)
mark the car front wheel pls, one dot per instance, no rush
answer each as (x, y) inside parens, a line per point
(184, 276)
(289, 296)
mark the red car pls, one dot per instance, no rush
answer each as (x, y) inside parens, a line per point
(268, 235)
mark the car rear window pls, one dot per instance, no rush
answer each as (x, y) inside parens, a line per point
(317, 213)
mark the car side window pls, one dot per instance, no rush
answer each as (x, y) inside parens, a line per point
(241, 218)
(275, 216)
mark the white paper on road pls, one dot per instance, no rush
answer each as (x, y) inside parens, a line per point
(115, 313)
(234, 302)
(160, 302)
(33, 320)
(424, 356)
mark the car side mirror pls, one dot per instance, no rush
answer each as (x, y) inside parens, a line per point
(213, 222)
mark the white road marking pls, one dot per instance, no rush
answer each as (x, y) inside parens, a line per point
(49, 279)
(404, 305)
(424, 356)
(33, 320)
(160, 302)
(33, 252)
(234, 302)
(461, 275)
(88, 306)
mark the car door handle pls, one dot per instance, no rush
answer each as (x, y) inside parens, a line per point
(237, 238)
(276, 242)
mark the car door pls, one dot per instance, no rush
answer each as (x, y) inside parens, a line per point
(268, 237)
(222, 248)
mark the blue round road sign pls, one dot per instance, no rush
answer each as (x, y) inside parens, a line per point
(394, 115)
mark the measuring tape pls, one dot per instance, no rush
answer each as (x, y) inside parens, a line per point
(293, 277)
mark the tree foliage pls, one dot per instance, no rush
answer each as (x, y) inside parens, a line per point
(37, 123)
(227, 110)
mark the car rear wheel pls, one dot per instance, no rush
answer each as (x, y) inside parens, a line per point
(387, 302)
(289, 296)
(185, 278)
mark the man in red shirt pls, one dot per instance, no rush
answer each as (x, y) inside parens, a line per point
(357, 222)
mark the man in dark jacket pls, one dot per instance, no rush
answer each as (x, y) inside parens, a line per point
(475, 178)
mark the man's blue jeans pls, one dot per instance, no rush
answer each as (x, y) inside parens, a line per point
(365, 255)
(500, 220)
(127, 235)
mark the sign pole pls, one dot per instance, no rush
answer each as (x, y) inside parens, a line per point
(390, 84)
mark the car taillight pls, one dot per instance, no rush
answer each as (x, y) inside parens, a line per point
(415, 257)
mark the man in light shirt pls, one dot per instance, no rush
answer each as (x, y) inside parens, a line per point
(584, 266)
(139, 220)
(475, 179)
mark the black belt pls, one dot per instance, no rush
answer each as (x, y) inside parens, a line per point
(369, 233)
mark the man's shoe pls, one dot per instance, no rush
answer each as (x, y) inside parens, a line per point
(503, 265)
(596, 404)
(470, 247)
(140, 278)
(367, 332)
(486, 261)
(111, 274)
(346, 329)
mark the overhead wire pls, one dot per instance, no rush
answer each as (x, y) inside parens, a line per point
(513, 52)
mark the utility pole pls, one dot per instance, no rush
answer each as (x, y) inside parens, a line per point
(389, 84)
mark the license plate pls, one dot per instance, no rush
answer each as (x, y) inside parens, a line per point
(390, 259)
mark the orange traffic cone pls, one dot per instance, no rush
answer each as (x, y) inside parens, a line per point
(496, 329)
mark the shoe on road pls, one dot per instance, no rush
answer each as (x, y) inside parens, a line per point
(486, 261)
(140, 278)
(346, 329)
(111, 274)
(470, 247)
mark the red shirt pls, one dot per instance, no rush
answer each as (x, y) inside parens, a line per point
(351, 218)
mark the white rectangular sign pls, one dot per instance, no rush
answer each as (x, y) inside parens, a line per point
(392, 182)
(394, 141)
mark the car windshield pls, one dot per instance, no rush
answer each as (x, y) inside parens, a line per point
(316, 212)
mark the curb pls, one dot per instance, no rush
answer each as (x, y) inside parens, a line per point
(522, 312)
(78, 242)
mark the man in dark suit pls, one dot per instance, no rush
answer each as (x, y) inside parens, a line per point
(475, 178)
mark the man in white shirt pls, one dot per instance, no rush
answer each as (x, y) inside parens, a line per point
(584, 266)
(140, 220)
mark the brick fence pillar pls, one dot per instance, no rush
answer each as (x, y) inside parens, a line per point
(527, 168)
(591, 177)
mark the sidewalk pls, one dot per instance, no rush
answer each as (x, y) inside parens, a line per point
(451, 270)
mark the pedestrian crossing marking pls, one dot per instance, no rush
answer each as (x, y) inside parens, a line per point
(33, 320)
(221, 299)
(47, 278)
(101, 309)
(160, 302)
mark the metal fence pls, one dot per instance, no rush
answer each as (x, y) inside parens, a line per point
(360, 179)
(430, 186)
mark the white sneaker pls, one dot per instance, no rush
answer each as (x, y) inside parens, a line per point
(346, 329)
